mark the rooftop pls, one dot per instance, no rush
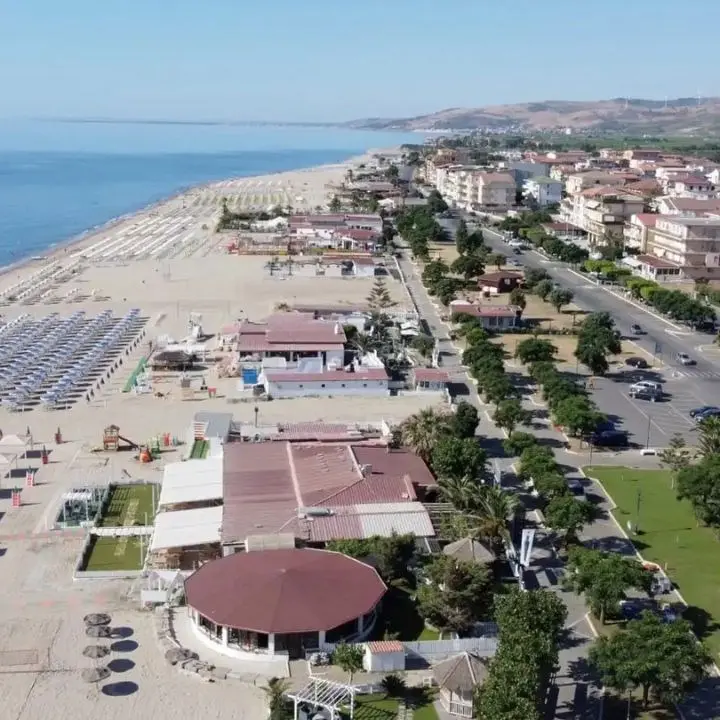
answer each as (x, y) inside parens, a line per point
(327, 376)
(461, 306)
(284, 591)
(185, 528)
(290, 331)
(431, 375)
(656, 262)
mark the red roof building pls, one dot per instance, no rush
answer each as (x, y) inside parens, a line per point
(283, 601)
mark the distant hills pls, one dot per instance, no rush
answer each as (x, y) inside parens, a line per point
(680, 116)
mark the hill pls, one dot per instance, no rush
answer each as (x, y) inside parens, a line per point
(681, 116)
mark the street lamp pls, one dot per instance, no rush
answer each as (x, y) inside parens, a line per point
(256, 409)
(647, 443)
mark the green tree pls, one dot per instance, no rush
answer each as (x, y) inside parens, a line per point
(517, 297)
(379, 298)
(454, 457)
(598, 338)
(349, 658)
(421, 431)
(433, 272)
(534, 276)
(458, 595)
(495, 507)
(278, 705)
(497, 259)
(675, 456)
(709, 442)
(535, 461)
(424, 344)
(517, 442)
(510, 413)
(465, 420)
(700, 485)
(567, 515)
(461, 237)
(469, 266)
(663, 659)
(604, 577)
(335, 204)
(393, 685)
(446, 289)
(543, 289)
(535, 350)
(578, 415)
(560, 297)
(497, 387)
(461, 493)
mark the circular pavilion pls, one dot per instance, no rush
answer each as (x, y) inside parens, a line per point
(283, 601)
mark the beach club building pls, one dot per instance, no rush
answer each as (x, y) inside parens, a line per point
(282, 601)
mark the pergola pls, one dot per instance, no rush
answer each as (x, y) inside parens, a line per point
(325, 694)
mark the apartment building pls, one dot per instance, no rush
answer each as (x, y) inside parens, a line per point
(543, 191)
(637, 229)
(582, 181)
(690, 186)
(690, 243)
(689, 207)
(601, 212)
(495, 190)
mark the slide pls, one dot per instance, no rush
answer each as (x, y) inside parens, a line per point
(133, 445)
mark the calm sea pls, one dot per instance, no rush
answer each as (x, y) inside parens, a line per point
(58, 180)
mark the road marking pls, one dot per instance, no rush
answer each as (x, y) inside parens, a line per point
(649, 418)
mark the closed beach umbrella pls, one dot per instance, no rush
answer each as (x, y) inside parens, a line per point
(93, 675)
(97, 619)
(98, 631)
(96, 651)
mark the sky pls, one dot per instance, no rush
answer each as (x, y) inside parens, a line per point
(333, 60)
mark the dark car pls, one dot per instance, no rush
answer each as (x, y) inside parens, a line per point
(702, 417)
(635, 329)
(637, 362)
(610, 438)
(517, 251)
(695, 412)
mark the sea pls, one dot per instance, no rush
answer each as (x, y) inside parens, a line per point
(60, 179)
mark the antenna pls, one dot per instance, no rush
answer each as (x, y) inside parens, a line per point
(699, 98)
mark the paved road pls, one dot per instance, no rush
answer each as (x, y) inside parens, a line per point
(576, 693)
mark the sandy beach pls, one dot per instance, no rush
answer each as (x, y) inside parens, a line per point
(166, 261)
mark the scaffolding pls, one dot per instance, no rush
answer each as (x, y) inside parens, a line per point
(321, 694)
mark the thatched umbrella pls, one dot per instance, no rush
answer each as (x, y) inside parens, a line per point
(98, 631)
(93, 675)
(96, 651)
(94, 619)
(177, 655)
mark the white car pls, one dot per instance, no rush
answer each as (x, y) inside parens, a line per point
(684, 359)
(646, 385)
(515, 243)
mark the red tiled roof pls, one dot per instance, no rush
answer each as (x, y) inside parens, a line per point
(254, 344)
(328, 376)
(284, 591)
(654, 261)
(290, 331)
(394, 464)
(431, 375)
(358, 234)
(647, 219)
(385, 646)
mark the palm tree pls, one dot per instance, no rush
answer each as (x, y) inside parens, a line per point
(421, 431)
(275, 693)
(709, 442)
(496, 507)
(461, 493)
(363, 343)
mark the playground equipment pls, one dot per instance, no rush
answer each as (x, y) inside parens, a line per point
(58, 437)
(112, 439)
(195, 329)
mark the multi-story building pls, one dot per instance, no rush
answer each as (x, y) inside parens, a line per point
(495, 190)
(582, 181)
(637, 229)
(601, 212)
(690, 207)
(692, 186)
(459, 185)
(543, 191)
(690, 243)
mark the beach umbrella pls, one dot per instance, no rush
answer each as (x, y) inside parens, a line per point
(93, 675)
(98, 631)
(177, 655)
(97, 619)
(96, 651)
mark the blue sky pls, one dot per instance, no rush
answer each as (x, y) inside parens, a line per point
(343, 59)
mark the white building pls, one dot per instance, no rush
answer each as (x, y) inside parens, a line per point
(326, 382)
(543, 190)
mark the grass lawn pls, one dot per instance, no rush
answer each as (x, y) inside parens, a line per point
(128, 506)
(669, 536)
(379, 707)
(110, 553)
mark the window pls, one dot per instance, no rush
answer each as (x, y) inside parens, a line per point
(322, 385)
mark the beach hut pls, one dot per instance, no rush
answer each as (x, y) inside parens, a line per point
(457, 679)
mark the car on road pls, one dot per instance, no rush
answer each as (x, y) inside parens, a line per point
(515, 243)
(636, 329)
(514, 263)
(684, 359)
(517, 251)
(645, 393)
(637, 362)
(646, 385)
(695, 412)
(610, 438)
(576, 488)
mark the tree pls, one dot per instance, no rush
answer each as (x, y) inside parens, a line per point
(517, 442)
(465, 420)
(497, 387)
(454, 457)
(379, 298)
(461, 493)
(598, 338)
(603, 577)
(335, 204)
(709, 442)
(700, 485)
(497, 259)
(675, 456)
(391, 554)
(543, 289)
(535, 461)
(534, 350)
(662, 658)
(577, 414)
(510, 413)
(534, 276)
(517, 297)
(433, 272)
(394, 685)
(461, 237)
(568, 515)
(446, 289)
(495, 508)
(424, 344)
(458, 594)
(421, 431)
(469, 266)
(349, 658)
(560, 297)
(279, 707)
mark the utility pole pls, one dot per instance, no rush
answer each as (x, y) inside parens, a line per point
(637, 512)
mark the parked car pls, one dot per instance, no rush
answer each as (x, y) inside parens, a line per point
(706, 415)
(646, 385)
(513, 263)
(610, 438)
(635, 329)
(684, 359)
(576, 488)
(645, 393)
(703, 409)
(517, 251)
(637, 362)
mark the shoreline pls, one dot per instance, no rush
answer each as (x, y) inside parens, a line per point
(60, 249)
